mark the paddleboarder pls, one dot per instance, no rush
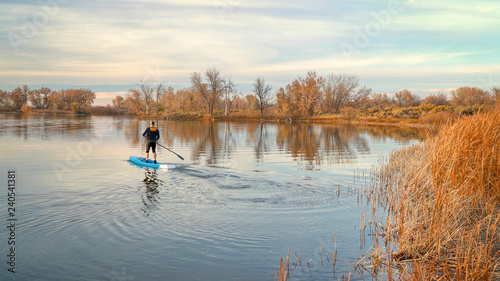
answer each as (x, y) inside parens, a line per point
(152, 134)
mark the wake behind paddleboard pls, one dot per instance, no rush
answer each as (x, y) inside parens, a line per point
(141, 161)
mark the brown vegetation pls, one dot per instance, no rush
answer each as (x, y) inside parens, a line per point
(442, 204)
(26, 100)
(334, 97)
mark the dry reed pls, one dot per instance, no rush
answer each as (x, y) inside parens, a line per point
(284, 272)
(442, 203)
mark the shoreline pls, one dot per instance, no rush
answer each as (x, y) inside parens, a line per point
(315, 119)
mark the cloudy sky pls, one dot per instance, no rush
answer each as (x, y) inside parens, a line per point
(110, 46)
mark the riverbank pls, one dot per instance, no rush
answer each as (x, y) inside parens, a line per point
(316, 119)
(429, 120)
(441, 204)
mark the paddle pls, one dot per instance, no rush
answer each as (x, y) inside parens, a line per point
(170, 151)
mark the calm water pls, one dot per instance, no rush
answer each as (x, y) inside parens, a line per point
(245, 193)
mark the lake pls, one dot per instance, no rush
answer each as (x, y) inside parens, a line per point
(245, 193)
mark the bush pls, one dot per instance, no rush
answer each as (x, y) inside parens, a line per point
(26, 108)
(438, 118)
(349, 113)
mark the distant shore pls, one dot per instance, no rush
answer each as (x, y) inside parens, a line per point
(336, 119)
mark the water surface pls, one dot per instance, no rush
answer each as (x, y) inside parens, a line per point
(245, 193)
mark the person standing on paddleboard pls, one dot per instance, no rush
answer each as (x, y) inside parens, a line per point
(152, 134)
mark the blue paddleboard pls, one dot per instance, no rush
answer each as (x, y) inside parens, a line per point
(141, 161)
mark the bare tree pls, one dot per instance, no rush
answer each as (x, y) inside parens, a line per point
(361, 97)
(405, 98)
(381, 100)
(26, 91)
(438, 99)
(147, 93)
(4, 98)
(35, 98)
(470, 96)
(39, 98)
(495, 93)
(263, 95)
(45, 92)
(210, 92)
(337, 90)
(229, 95)
(118, 101)
(159, 90)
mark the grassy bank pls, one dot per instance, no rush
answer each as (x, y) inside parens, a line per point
(441, 202)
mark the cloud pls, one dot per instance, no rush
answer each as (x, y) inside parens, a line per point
(106, 95)
(119, 42)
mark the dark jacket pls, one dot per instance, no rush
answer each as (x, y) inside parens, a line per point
(152, 134)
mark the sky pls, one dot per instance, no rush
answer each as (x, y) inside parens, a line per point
(110, 46)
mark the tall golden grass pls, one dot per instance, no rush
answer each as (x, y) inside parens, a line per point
(442, 204)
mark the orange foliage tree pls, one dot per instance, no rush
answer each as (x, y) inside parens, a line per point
(466, 96)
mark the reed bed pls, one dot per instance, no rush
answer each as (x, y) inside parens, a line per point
(440, 204)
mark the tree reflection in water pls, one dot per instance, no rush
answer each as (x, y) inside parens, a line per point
(212, 142)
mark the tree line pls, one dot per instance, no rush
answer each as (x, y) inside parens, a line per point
(211, 93)
(214, 94)
(26, 99)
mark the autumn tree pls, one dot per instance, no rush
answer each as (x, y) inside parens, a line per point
(262, 94)
(188, 100)
(169, 101)
(211, 91)
(251, 102)
(495, 94)
(381, 100)
(39, 98)
(80, 99)
(4, 99)
(305, 93)
(361, 98)
(405, 98)
(283, 101)
(16, 98)
(76, 100)
(438, 99)
(35, 99)
(470, 96)
(239, 103)
(118, 101)
(337, 89)
(133, 101)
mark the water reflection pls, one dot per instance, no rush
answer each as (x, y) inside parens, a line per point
(42, 126)
(263, 141)
(213, 143)
(308, 144)
(327, 144)
(150, 190)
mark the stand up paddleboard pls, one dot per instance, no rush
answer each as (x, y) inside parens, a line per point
(141, 161)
